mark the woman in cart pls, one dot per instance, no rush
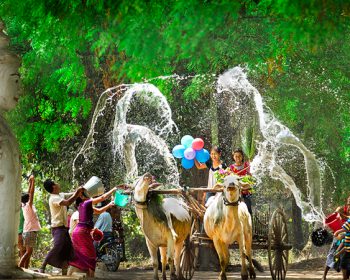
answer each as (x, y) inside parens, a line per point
(242, 168)
(213, 164)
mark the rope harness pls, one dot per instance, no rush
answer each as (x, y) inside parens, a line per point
(227, 203)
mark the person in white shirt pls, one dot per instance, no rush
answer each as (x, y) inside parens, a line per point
(74, 220)
(62, 250)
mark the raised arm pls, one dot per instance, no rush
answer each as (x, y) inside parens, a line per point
(104, 208)
(104, 196)
(31, 190)
(69, 201)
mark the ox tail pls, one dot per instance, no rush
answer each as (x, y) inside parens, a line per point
(256, 264)
(170, 225)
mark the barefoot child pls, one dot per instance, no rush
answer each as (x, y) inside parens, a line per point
(31, 224)
(344, 212)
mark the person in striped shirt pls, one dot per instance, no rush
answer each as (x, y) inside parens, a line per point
(345, 261)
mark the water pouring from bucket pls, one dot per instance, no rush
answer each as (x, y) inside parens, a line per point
(94, 187)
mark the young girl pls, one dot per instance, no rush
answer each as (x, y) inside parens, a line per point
(213, 165)
(31, 224)
(241, 168)
(84, 250)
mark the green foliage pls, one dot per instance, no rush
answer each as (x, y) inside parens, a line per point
(135, 244)
(199, 87)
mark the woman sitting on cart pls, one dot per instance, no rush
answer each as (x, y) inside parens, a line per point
(242, 168)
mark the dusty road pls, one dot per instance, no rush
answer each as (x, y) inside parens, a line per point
(139, 274)
(199, 275)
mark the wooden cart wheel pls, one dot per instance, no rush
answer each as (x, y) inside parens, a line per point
(189, 253)
(277, 239)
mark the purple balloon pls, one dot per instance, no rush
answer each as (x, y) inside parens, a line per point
(190, 153)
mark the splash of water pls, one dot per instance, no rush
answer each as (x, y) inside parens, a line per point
(127, 136)
(105, 97)
(275, 135)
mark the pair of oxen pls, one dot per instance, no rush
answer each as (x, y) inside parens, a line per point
(166, 225)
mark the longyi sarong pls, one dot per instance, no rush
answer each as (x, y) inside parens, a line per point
(84, 250)
(62, 250)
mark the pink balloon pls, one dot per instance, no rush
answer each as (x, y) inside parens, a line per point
(198, 144)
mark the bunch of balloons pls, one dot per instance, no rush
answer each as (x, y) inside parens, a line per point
(189, 150)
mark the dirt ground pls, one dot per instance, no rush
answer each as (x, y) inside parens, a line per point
(199, 275)
(139, 274)
(311, 269)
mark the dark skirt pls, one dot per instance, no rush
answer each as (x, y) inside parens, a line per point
(62, 250)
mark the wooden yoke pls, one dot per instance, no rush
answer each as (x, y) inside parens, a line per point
(193, 205)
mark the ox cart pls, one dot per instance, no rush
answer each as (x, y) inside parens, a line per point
(269, 233)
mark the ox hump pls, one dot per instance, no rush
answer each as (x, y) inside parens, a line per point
(177, 208)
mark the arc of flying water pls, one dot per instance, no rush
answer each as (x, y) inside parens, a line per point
(275, 135)
(105, 97)
(136, 134)
(126, 136)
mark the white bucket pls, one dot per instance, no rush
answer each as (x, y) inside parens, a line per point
(93, 187)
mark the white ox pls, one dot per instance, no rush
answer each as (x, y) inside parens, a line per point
(165, 223)
(227, 220)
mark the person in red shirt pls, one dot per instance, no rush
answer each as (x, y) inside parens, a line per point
(242, 168)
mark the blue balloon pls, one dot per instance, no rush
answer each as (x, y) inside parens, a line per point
(202, 155)
(187, 141)
(187, 163)
(178, 151)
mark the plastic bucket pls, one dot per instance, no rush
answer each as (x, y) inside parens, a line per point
(93, 187)
(334, 221)
(120, 199)
(97, 235)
